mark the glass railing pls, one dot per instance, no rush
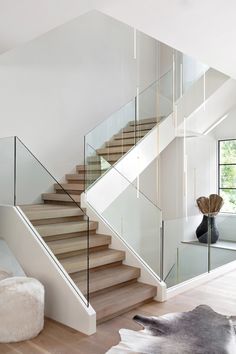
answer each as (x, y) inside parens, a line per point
(7, 171)
(171, 277)
(105, 145)
(183, 258)
(125, 128)
(39, 197)
(187, 71)
(190, 261)
(118, 134)
(131, 215)
(197, 245)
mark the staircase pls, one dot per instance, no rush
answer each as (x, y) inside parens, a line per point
(114, 149)
(122, 142)
(114, 286)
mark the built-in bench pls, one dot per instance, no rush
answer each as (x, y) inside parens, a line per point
(227, 245)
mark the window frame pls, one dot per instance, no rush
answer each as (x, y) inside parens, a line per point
(219, 174)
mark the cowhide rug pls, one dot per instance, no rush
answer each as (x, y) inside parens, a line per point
(200, 331)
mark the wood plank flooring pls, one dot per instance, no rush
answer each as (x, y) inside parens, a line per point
(219, 293)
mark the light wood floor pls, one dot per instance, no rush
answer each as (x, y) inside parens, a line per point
(219, 293)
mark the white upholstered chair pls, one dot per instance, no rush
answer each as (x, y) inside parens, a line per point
(21, 308)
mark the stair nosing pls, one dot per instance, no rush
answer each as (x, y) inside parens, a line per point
(47, 230)
(128, 273)
(102, 260)
(76, 243)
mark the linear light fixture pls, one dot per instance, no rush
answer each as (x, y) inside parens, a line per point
(135, 43)
(213, 126)
(185, 174)
(204, 91)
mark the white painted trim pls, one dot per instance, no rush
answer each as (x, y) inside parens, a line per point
(200, 279)
(62, 302)
(132, 258)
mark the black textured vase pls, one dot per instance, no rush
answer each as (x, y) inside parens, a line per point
(202, 230)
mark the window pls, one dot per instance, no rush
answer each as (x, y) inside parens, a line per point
(227, 174)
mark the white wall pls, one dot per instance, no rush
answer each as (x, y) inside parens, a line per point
(56, 88)
(8, 261)
(148, 182)
(226, 222)
(188, 170)
(201, 169)
(171, 180)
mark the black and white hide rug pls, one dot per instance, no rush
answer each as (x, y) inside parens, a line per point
(200, 331)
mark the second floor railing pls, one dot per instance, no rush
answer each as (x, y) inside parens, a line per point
(124, 129)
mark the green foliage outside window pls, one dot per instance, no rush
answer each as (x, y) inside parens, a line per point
(227, 172)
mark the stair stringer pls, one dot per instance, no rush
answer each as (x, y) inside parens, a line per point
(128, 168)
(199, 93)
(219, 104)
(62, 302)
(132, 258)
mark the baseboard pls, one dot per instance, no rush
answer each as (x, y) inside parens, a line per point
(200, 279)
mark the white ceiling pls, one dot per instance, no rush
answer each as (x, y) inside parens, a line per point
(204, 29)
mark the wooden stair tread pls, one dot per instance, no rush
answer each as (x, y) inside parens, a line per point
(113, 150)
(70, 187)
(96, 259)
(138, 134)
(103, 278)
(89, 168)
(118, 300)
(138, 127)
(50, 211)
(65, 228)
(72, 198)
(93, 159)
(122, 142)
(78, 243)
(145, 121)
(82, 176)
(96, 159)
(107, 158)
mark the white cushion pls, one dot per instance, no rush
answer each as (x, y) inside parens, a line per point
(21, 309)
